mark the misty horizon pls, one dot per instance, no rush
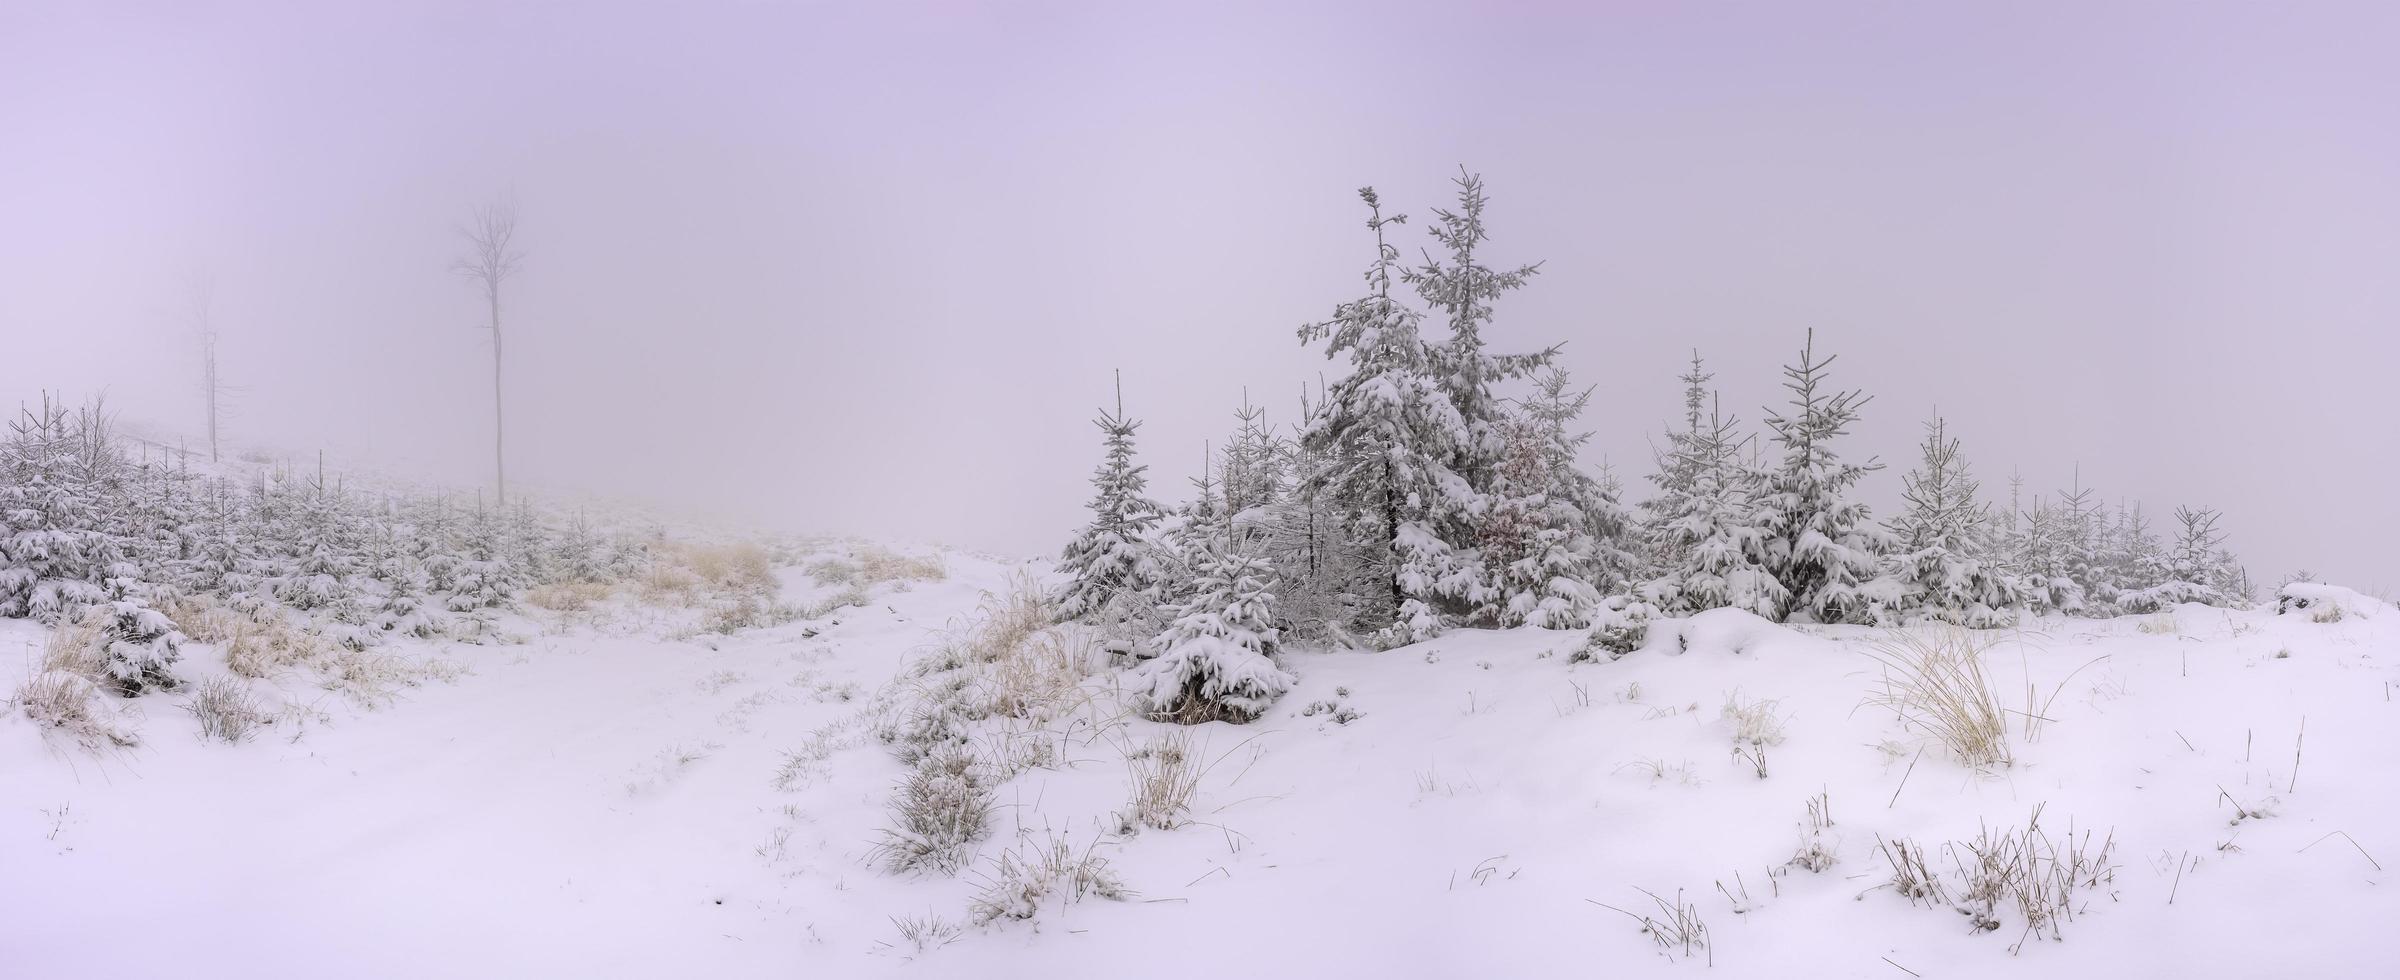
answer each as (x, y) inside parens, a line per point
(830, 259)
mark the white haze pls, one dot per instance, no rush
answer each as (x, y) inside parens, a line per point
(861, 270)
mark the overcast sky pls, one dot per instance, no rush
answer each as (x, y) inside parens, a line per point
(867, 267)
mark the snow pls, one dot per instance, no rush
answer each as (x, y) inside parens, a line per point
(602, 801)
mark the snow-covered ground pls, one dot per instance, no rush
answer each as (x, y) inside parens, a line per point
(603, 800)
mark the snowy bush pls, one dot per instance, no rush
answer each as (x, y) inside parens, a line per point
(1216, 660)
(1620, 626)
(2325, 603)
(140, 646)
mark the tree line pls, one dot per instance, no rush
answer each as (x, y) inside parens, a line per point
(1436, 485)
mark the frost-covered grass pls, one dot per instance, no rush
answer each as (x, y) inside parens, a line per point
(1933, 679)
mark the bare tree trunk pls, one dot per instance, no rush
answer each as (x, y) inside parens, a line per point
(499, 420)
(212, 386)
(490, 262)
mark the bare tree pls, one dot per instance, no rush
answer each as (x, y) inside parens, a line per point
(212, 384)
(489, 262)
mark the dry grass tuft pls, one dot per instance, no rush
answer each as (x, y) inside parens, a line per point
(1022, 879)
(204, 619)
(63, 703)
(2024, 871)
(568, 596)
(1166, 776)
(1676, 926)
(1934, 681)
(263, 650)
(942, 807)
(668, 584)
(76, 647)
(926, 932)
(1754, 721)
(226, 710)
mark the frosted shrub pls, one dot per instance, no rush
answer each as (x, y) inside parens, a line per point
(1215, 661)
(141, 646)
(1620, 626)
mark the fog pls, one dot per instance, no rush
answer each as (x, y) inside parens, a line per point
(868, 269)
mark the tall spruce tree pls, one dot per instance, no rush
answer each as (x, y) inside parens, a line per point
(1460, 289)
(1722, 542)
(1673, 478)
(1824, 548)
(1944, 541)
(1388, 436)
(1111, 565)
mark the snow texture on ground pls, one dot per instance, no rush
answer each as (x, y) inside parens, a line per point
(601, 801)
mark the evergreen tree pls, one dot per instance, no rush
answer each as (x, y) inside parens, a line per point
(1388, 436)
(2136, 560)
(1552, 535)
(1823, 547)
(1722, 539)
(1944, 541)
(1112, 565)
(1461, 291)
(2198, 569)
(2083, 549)
(141, 646)
(2041, 562)
(1674, 477)
(1253, 464)
(53, 557)
(1216, 660)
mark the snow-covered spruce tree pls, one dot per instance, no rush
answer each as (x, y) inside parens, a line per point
(219, 561)
(1943, 559)
(1824, 548)
(2041, 562)
(1216, 660)
(1722, 539)
(2197, 568)
(2083, 548)
(53, 558)
(320, 569)
(1321, 567)
(1535, 554)
(486, 578)
(141, 646)
(578, 555)
(1252, 469)
(1552, 535)
(1388, 435)
(1673, 478)
(1461, 290)
(1111, 565)
(1600, 513)
(2135, 559)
